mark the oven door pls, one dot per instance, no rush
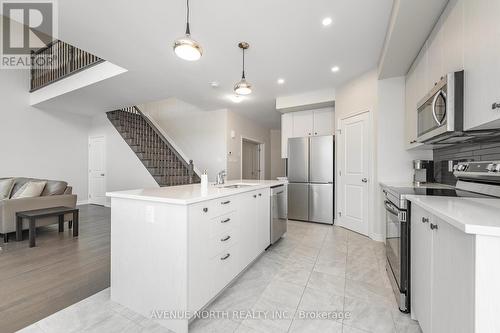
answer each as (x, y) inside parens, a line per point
(393, 240)
(397, 252)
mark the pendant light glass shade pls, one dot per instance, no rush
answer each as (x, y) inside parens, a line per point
(185, 47)
(188, 49)
(243, 87)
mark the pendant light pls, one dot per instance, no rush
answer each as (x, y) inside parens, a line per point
(243, 87)
(185, 47)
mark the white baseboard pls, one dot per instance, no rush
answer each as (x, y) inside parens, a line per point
(377, 237)
(82, 202)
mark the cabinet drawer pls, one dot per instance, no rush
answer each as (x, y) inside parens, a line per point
(222, 242)
(223, 205)
(224, 268)
(222, 223)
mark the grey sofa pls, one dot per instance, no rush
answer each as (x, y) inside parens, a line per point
(56, 193)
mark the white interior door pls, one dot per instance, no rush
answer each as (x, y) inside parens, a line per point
(250, 161)
(354, 170)
(97, 171)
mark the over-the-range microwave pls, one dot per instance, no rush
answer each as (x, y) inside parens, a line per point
(440, 114)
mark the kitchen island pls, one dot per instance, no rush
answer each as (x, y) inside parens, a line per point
(174, 249)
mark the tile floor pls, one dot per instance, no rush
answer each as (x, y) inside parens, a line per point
(316, 269)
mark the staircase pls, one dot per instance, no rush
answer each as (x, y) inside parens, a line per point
(163, 162)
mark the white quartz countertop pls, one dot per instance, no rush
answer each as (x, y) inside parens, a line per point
(189, 194)
(480, 216)
(410, 184)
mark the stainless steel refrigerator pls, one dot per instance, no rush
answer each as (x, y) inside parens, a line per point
(310, 176)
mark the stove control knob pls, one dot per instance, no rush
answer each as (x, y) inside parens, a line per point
(461, 167)
(491, 167)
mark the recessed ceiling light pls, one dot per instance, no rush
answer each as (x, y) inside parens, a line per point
(235, 98)
(335, 69)
(281, 81)
(327, 21)
(214, 84)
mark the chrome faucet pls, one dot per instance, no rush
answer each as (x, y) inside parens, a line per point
(221, 177)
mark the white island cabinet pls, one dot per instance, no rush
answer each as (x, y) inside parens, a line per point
(455, 264)
(173, 250)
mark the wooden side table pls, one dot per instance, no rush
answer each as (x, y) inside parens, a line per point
(33, 215)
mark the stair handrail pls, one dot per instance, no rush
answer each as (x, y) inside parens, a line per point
(188, 163)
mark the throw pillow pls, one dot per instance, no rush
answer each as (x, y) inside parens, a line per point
(30, 190)
(6, 186)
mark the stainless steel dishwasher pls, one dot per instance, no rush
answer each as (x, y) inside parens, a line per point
(279, 212)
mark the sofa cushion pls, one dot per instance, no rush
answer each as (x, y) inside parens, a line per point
(6, 186)
(30, 189)
(54, 187)
(19, 182)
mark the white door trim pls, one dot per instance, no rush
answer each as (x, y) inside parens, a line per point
(90, 201)
(262, 157)
(370, 172)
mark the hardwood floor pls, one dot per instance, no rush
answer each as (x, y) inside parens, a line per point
(59, 271)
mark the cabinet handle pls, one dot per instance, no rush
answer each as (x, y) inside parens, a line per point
(255, 196)
(226, 220)
(495, 106)
(315, 133)
(225, 202)
(309, 133)
(225, 257)
(260, 194)
(225, 239)
(413, 141)
(205, 210)
(425, 220)
(433, 226)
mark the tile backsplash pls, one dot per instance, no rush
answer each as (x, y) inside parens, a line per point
(484, 151)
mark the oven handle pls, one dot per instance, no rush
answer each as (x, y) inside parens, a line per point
(439, 93)
(391, 208)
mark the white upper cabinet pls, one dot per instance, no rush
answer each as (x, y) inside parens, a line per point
(323, 122)
(411, 109)
(482, 64)
(303, 124)
(466, 37)
(435, 56)
(286, 132)
(421, 75)
(453, 37)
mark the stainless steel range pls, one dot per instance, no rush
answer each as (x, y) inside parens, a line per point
(474, 179)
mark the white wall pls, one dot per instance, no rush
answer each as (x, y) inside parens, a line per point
(200, 134)
(277, 163)
(41, 144)
(360, 95)
(245, 128)
(394, 162)
(124, 170)
(385, 100)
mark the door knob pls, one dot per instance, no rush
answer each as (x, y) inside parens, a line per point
(495, 106)
(102, 175)
(364, 180)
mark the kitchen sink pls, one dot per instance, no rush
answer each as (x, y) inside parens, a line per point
(237, 186)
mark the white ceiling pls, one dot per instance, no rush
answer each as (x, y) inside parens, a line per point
(287, 40)
(410, 25)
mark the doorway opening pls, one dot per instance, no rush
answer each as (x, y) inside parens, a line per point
(252, 159)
